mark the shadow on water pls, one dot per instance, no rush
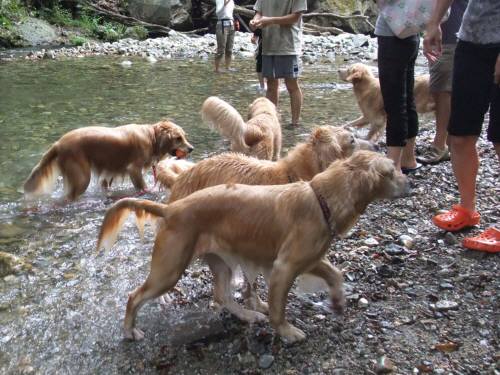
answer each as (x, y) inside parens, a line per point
(64, 315)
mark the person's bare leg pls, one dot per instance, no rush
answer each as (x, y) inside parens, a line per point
(262, 81)
(497, 149)
(465, 163)
(217, 64)
(227, 61)
(296, 98)
(394, 153)
(273, 90)
(408, 154)
(443, 107)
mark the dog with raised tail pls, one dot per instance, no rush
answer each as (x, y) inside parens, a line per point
(260, 136)
(109, 152)
(281, 231)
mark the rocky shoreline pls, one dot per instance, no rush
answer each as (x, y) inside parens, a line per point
(179, 45)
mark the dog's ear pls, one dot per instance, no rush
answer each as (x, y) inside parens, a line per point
(326, 145)
(163, 135)
(354, 75)
(382, 166)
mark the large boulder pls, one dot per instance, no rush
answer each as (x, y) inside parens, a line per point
(358, 25)
(36, 32)
(171, 13)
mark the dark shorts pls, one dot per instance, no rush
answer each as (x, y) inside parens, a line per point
(280, 66)
(258, 59)
(474, 91)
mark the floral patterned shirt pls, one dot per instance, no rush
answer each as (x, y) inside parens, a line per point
(481, 22)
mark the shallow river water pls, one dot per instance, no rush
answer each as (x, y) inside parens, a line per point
(65, 314)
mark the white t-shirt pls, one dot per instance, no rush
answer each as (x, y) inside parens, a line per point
(224, 11)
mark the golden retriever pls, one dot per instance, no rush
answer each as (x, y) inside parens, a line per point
(168, 169)
(109, 152)
(369, 97)
(260, 136)
(282, 231)
(325, 145)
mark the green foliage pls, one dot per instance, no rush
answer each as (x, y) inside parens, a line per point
(11, 11)
(137, 32)
(58, 16)
(77, 40)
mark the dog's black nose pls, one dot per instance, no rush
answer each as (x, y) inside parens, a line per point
(190, 148)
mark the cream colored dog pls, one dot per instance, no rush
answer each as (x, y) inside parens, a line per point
(369, 97)
(168, 169)
(282, 231)
(260, 136)
(325, 145)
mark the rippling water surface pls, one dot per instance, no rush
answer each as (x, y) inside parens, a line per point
(65, 314)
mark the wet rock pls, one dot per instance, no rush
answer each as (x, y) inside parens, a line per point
(447, 347)
(196, 326)
(384, 366)
(371, 242)
(445, 305)
(406, 241)
(266, 361)
(446, 286)
(450, 238)
(246, 359)
(11, 264)
(363, 303)
(394, 249)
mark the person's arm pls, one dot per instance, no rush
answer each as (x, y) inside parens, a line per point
(287, 20)
(433, 36)
(497, 71)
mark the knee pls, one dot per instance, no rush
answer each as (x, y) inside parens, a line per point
(292, 85)
(458, 142)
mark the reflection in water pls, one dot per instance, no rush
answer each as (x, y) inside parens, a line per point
(65, 315)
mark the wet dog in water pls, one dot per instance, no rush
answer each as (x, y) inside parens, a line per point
(260, 136)
(124, 150)
(282, 231)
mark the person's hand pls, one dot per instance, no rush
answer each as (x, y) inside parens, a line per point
(432, 42)
(253, 39)
(261, 22)
(497, 71)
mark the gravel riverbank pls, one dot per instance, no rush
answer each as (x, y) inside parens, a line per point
(178, 45)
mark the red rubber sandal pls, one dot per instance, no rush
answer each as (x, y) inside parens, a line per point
(488, 241)
(456, 219)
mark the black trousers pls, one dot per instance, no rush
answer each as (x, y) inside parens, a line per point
(396, 69)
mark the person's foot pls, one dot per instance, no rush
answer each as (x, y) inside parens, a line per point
(456, 219)
(488, 241)
(409, 170)
(434, 155)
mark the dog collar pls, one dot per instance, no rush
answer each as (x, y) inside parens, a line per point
(327, 214)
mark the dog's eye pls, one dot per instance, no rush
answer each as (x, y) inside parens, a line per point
(178, 139)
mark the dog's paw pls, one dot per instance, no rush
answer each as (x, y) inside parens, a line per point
(338, 302)
(290, 334)
(134, 334)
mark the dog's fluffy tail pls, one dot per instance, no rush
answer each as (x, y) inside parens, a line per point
(116, 215)
(43, 177)
(220, 115)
